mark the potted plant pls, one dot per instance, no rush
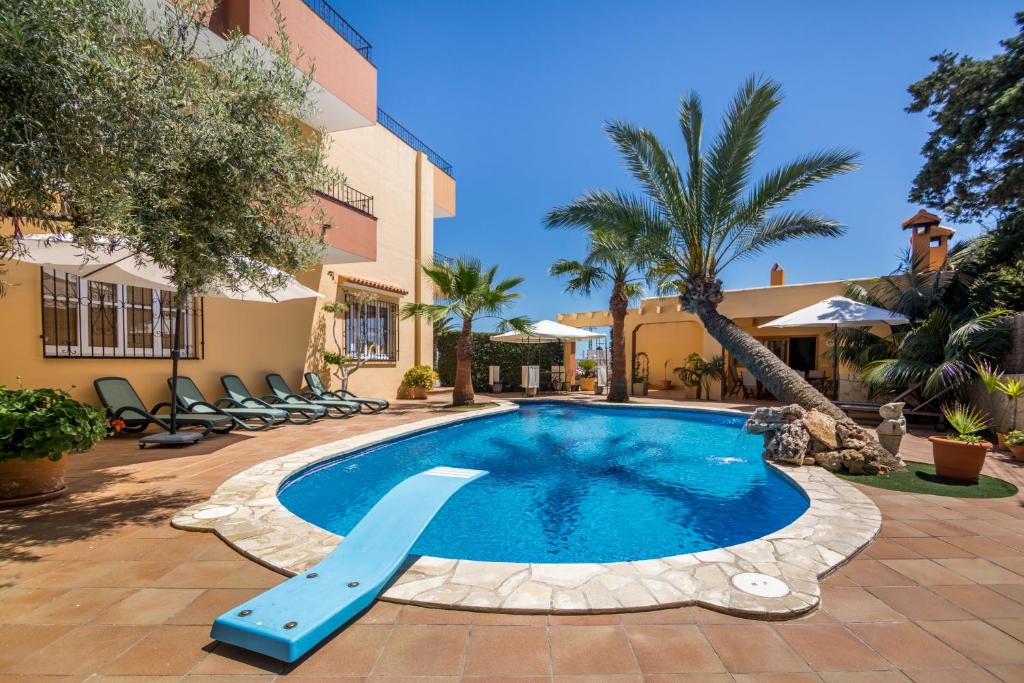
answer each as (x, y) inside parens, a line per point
(419, 378)
(587, 374)
(641, 368)
(1012, 388)
(1015, 442)
(666, 382)
(690, 373)
(962, 455)
(38, 429)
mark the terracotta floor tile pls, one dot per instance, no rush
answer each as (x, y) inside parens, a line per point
(855, 604)
(166, 651)
(772, 655)
(211, 604)
(584, 619)
(981, 601)
(984, 547)
(353, 651)
(983, 643)
(379, 613)
(875, 573)
(591, 650)
(1014, 591)
(891, 676)
(411, 614)
(76, 606)
(894, 529)
(778, 678)
(888, 549)
(678, 648)
(197, 574)
(937, 528)
(981, 570)
(1013, 627)
(688, 678)
(250, 575)
(508, 650)
(908, 646)
(975, 675)
(82, 650)
(1013, 673)
(505, 619)
(149, 606)
(831, 647)
(15, 602)
(424, 650)
(679, 615)
(927, 572)
(230, 660)
(917, 602)
(933, 548)
(19, 641)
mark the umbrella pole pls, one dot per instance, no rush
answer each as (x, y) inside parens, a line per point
(835, 362)
(175, 355)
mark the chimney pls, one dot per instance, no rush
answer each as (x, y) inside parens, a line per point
(778, 275)
(929, 241)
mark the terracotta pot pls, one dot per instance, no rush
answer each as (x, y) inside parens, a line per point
(1018, 452)
(666, 384)
(1001, 439)
(419, 392)
(588, 383)
(957, 459)
(28, 481)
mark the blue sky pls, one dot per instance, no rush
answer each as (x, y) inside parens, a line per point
(514, 95)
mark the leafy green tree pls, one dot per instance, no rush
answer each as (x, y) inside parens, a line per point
(614, 257)
(115, 130)
(467, 292)
(713, 213)
(974, 157)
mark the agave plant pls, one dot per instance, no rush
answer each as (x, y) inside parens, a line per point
(1010, 387)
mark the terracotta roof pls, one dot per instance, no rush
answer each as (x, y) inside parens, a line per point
(384, 287)
(922, 217)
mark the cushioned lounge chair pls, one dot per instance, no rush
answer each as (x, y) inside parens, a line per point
(123, 403)
(190, 398)
(335, 408)
(298, 413)
(318, 390)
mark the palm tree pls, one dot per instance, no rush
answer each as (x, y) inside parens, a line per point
(467, 292)
(613, 256)
(713, 214)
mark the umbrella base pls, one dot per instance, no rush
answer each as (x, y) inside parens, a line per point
(167, 439)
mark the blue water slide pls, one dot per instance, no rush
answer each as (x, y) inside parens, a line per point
(288, 620)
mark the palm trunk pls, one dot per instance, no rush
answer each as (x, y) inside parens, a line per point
(617, 390)
(781, 380)
(463, 393)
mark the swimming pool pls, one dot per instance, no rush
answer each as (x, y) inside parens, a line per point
(568, 483)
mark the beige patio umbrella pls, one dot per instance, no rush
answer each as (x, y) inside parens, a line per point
(547, 332)
(836, 312)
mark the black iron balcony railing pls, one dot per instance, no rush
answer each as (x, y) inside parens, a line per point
(349, 196)
(341, 27)
(385, 119)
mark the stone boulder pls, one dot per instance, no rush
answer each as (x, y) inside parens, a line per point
(763, 420)
(822, 429)
(830, 460)
(792, 443)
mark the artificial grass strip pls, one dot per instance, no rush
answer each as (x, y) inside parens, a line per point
(467, 407)
(921, 478)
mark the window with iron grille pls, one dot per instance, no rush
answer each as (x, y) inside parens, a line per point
(371, 328)
(90, 319)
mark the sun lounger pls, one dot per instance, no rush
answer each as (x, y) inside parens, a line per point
(298, 413)
(190, 398)
(123, 403)
(335, 408)
(319, 391)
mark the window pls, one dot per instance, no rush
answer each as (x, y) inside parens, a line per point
(371, 328)
(89, 319)
(935, 242)
(803, 353)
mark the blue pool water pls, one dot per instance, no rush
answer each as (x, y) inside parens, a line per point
(569, 483)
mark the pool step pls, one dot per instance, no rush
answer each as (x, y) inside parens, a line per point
(288, 620)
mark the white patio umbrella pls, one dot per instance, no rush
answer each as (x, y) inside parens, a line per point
(836, 312)
(118, 265)
(547, 332)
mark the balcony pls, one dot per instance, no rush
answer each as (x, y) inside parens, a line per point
(352, 237)
(345, 85)
(403, 133)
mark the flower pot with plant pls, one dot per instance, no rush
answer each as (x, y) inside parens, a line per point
(641, 371)
(666, 382)
(1015, 442)
(1010, 387)
(420, 379)
(962, 455)
(587, 374)
(38, 429)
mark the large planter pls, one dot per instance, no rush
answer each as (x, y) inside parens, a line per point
(588, 383)
(25, 481)
(639, 388)
(419, 392)
(1018, 452)
(957, 459)
(666, 384)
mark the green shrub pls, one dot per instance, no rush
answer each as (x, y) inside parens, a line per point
(588, 368)
(46, 423)
(421, 376)
(508, 357)
(965, 421)
(1015, 438)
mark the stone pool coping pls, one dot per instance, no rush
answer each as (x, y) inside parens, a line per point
(839, 521)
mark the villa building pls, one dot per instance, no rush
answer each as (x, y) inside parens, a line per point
(64, 332)
(667, 334)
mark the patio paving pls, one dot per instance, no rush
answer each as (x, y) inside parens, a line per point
(98, 586)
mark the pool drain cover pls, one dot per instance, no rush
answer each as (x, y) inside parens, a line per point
(215, 512)
(761, 585)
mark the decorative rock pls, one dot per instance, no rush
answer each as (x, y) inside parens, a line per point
(809, 460)
(822, 429)
(891, 411)
(792, 443)
(830, 460)
(763, 420)
(793, 412)
(853, 460)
